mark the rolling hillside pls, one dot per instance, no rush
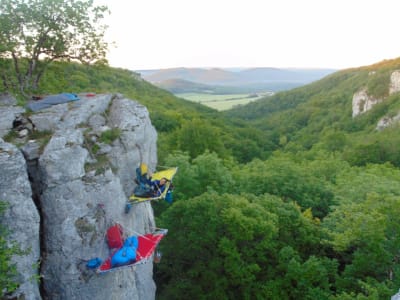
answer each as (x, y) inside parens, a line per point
(300, 197)
(255, 79)
(293, 120)
(306, 114)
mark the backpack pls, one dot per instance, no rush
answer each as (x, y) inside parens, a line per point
(114, 236)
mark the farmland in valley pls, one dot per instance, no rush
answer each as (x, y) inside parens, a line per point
(222, 102)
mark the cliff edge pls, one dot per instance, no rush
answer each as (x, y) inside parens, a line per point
(67, 173)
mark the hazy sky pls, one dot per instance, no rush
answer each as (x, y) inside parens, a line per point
(152, 34)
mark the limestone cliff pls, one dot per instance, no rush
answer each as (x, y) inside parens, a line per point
(74, 178)
(21, 218)
(394, 87)
(363, 102)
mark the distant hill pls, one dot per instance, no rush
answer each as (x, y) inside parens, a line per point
(177, 86)
(180, 86)
(326, 106)
(248, 80)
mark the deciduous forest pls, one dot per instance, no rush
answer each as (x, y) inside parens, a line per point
(288, 197)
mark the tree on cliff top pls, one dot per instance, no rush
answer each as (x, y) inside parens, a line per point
(34, 33)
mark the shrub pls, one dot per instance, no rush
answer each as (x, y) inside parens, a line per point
(110, 136)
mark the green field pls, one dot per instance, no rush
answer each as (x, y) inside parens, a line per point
(221, 102)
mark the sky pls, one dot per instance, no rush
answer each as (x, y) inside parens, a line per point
(338, 34)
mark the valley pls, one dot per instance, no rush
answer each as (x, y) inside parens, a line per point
(225, 101)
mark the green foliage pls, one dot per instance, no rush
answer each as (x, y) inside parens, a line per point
(377, 148)
(378, 83)
(366, 234)
(289, 197)
(335, 141)
(166, 121)
(293, 182)
(194, 137)
(11, 136)
(41, 137)
(321, 113)
(227, 246)
(100, 162)
(207, 172)
(352, 256)
(175, 119)
(100, 165)
(219, 264)
(110, 135)
(34, 34)
(248, 143)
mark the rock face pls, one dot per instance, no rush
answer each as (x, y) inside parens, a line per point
(394, 88)
(81, 180)
(21, 217)
(387, 121)
(8, 111)
(362, 102)
(394, 82)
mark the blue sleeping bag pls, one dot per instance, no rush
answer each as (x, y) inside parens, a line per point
(127, 254)
(52, 100)
(131, 242)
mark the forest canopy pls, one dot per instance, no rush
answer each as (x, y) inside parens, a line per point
(287, 198)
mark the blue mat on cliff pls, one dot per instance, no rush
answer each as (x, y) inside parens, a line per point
(51, 100)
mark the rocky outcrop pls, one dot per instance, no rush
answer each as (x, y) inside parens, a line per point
(137, 134)
(387, 121)
(81, 172)
(21, 218)
(8, 111)
(394, 82)
(362, 102)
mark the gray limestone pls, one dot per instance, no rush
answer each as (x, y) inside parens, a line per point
(81, 185)
(8, 112)
(21, 217)
(363, 102)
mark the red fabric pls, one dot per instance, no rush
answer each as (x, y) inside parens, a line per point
(106, 265)
(147, 245)
(114, 236)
